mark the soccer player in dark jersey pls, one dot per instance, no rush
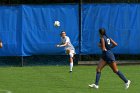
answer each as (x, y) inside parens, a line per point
(106, 44)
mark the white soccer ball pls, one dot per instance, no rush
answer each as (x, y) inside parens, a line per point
(56, 23)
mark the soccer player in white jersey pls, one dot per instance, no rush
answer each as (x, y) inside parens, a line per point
(69, 48)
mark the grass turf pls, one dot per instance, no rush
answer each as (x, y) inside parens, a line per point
(56, 79)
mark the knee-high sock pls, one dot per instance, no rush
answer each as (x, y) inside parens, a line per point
(71, 66)
(122, 76)
(98, 75)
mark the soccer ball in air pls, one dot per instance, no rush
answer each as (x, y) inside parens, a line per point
(56, 23)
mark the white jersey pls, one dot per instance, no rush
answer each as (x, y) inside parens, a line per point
(67, 40)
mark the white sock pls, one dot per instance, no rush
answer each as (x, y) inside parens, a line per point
(71, 66)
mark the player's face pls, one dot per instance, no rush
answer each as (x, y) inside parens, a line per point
(63, 34)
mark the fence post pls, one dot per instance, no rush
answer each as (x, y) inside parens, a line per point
(22, 61)
(80, 26)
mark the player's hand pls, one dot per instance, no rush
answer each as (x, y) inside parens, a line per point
(57, 45)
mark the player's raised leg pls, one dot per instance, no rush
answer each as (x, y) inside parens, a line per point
(100, 66)
(114, 67)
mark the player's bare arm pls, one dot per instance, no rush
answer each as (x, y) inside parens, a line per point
(114, 44)
(103, 45)
(1, 45)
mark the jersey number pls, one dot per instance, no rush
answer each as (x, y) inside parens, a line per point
(108, 41)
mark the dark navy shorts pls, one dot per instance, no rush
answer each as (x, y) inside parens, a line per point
(108, 56)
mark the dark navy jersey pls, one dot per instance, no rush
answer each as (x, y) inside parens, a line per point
(107, 42)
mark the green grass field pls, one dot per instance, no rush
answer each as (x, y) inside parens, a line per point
(56, 79)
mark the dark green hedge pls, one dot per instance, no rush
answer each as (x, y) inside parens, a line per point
(64, 1)
(36, 1)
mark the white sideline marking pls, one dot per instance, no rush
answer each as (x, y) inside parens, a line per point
(6, 91)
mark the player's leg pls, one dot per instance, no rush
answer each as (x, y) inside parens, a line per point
(99, 68)
(114, 67)
(71, 55)
(71, 62)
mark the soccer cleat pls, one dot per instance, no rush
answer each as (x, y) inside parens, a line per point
(94, 86)
(127, 84)
(70, 71)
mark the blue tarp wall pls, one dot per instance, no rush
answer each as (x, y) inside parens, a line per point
(121, 21)
(28, 29)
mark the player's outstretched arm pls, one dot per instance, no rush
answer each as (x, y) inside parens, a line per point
(113, 43)
(62, 45)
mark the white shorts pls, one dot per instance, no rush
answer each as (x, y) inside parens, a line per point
(72, 53)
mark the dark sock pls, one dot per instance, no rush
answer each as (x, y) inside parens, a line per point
(98, 75)
(122, 76)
